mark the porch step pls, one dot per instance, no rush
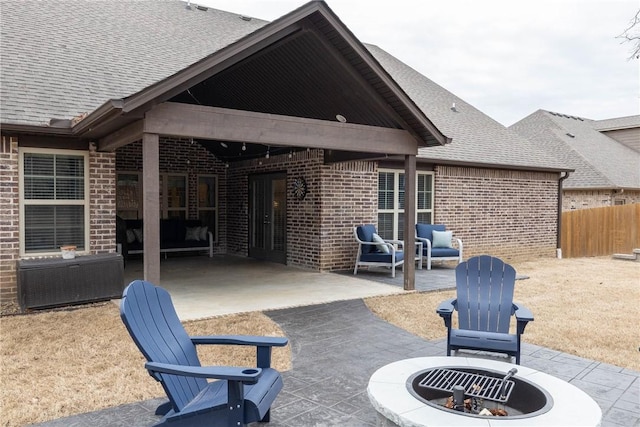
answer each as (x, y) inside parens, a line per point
(634, 256)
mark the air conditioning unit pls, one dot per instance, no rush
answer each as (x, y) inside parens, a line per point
(54, 282)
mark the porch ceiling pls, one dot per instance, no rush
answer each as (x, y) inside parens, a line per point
(310, 73)
(306, 64)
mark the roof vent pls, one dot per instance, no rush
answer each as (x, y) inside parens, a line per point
(453, 107)
(202, 8)
(570, 135)
(245, 18)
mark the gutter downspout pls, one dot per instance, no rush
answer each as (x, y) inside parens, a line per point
(559, 232)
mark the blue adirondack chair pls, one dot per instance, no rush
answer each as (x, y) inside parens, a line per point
(240, 396)
(484, 288)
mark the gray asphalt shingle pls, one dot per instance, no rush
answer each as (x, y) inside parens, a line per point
(599, 161)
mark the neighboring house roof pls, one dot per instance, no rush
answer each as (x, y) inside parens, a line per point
(617, 123)
(600, 162)
(62, 62)
(477, 138)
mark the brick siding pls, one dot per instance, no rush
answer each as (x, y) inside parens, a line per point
(587, 199)
(9, 219)
(508, 214)
(102, 205)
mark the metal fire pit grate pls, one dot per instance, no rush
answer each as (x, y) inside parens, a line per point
(475, 385)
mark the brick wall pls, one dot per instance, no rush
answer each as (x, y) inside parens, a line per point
(102, 205)
(181, 156)
(303, 216)
(587, 199)
(509, 214)
(9, 215)
(319, 227)
(350, 198)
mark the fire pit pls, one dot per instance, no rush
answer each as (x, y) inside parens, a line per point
(431, 391)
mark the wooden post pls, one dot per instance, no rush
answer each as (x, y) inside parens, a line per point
(409, 222)
(151, 206)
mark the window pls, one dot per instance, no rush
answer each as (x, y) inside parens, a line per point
(128, 195)
(391, 202)
(54, 206)
(207, 203)
(174, 201)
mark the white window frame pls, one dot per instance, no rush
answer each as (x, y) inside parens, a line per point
(396, 211)
(86, 202)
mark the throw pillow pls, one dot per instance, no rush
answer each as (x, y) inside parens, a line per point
(441, 239)
(382, 248)
(203, 233)
(131, 237)
(138, 233)
(193, 233)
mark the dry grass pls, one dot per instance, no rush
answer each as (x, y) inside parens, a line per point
(65, 362)
(588, 307)
(58, 363)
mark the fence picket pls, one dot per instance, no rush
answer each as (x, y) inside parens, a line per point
(600, 231)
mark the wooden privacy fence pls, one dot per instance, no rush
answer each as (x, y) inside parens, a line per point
(600, 231)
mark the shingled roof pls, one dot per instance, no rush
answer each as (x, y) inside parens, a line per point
(600, 162)
(65, 59)
(62, 59)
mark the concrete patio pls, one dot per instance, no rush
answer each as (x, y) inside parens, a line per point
(337, 344)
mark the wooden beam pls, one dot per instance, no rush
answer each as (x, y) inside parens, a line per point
(197, 121)
(151, 206)
(409, 223)
(122, 137)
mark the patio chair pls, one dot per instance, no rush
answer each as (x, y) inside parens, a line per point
(240, 396)
(375, 251)
(437, 243)
(484, 289)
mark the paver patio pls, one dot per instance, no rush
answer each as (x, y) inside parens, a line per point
(337, 346)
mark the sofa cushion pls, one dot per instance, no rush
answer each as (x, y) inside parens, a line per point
(192, 233)
(380, 257)
(443, 252)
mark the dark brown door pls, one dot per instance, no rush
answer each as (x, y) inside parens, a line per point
(268, 217)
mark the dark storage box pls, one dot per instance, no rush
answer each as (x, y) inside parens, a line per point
(55, 281)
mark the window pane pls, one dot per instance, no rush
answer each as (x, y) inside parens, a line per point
(385, 225)
(69, 188)
(424, 217)
(401, 191)
(207, 191)
(177, 192)
(49, 176)
(385, 190)
(36, 188)
(49, 227)
(424, 191)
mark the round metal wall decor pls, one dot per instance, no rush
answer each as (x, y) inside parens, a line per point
(299, 188)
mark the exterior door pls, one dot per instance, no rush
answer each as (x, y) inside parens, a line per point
(268, 217)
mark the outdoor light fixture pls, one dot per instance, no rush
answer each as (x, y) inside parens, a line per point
(244, 147)
(341, 118)
(224, 145)
(267, 156)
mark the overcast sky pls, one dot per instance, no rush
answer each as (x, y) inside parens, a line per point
(508, 58)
